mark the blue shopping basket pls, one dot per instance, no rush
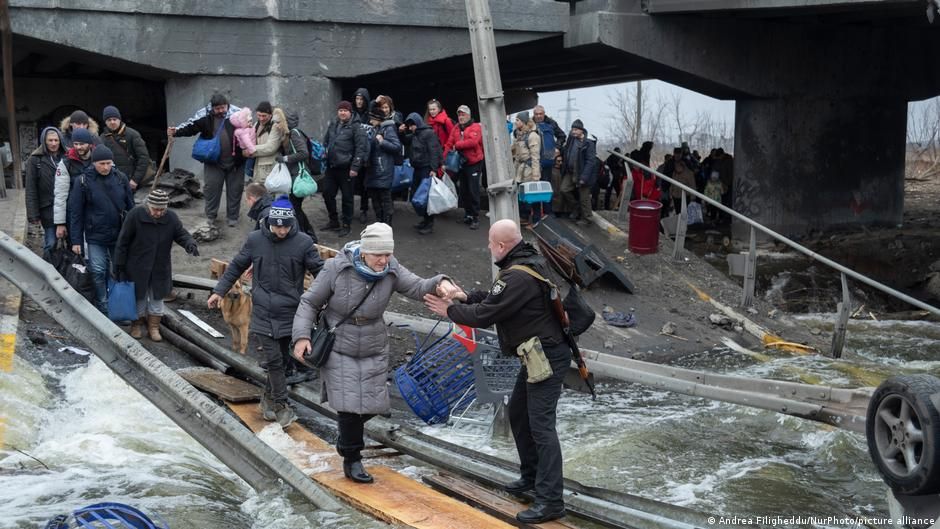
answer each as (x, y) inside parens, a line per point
(438, 380)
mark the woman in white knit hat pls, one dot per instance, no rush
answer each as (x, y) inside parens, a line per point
(353, 379)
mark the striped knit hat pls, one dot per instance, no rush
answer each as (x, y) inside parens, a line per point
(158, 199)
(281, 213)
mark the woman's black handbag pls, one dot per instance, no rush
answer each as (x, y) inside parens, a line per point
(322, 335)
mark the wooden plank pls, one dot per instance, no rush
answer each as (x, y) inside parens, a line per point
(393, 498)
(197, 283)
(229, 388)
(483, 498)
(201, 324)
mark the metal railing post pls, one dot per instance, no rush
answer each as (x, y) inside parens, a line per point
(843, 310)
(680, 231)
(750, 271)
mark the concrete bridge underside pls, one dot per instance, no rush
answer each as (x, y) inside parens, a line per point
(821, 87)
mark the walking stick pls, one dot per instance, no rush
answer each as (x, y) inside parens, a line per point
(166, 156)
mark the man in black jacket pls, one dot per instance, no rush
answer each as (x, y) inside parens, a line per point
(279, 255)
(229, 170)
(520, 307)
(347, 149)
(427, 157)
(580, 171)
(130, 151)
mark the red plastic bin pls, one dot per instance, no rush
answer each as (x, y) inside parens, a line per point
(644, 226)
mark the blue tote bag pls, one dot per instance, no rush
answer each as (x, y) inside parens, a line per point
(122, 301)
(208, 151)
(420, 199)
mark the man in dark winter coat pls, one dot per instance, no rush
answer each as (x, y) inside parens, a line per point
(279, 256)
(426, 159)
(553, 139)
(381, 171)
(40, 183)
(142, 255)
(130, 151)
(580, 171)
(520, 307)
(98, 199)
(228, 172)
(75, 121)
(360, 108)
(347, 149)
(77, 158)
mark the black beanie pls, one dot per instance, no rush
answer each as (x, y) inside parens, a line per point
(577, 124)
(110, 111)
(78, 116)
(101, 153)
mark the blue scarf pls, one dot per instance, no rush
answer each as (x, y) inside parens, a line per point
(360, 266)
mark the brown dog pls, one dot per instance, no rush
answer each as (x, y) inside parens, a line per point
(236, 311)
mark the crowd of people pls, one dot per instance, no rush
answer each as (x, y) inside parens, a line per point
(80, 185)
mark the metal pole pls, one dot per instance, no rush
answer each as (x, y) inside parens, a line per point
(843, 311)
(792, 244)
(750, 271)
(7, 32)
(503, 202)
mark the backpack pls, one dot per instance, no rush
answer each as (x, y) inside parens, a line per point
(548, 141)
(316, 163)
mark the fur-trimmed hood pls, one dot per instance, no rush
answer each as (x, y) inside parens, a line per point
(67, 120)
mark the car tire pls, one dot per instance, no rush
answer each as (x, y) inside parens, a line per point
(903, 433)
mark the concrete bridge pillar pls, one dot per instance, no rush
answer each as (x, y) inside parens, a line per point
(313, 98)
(805, 163)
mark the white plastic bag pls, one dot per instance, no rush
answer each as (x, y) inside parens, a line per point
(450, 184)
(440, 198)
(278, 182)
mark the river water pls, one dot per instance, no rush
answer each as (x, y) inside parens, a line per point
(101, 441)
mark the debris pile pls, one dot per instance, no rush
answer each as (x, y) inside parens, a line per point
(181, 185)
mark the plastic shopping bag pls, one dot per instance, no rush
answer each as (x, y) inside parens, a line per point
(440, 198)
(279, 181)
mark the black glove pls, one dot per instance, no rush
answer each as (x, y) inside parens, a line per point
(281, 159)
(192, 249)
(120, 273)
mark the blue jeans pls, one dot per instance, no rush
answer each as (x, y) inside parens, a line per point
(99, 260)
(48, 240)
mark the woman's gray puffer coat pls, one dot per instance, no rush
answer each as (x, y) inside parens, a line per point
(354, 378)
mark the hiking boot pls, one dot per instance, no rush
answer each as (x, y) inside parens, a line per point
(137, 328)
(332, 225)
(421, 225)
(232, 223)
(153, 327)
(356, 472)
(267, 408)
(426, 230)
(171, 297)
(285, 414)
(519, 486)
(344, 231)
(540, 513)
(474, 223)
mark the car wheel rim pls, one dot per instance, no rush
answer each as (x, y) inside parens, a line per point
(898, 436)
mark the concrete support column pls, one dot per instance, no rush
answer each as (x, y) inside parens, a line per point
(802, 164)
(313, 98)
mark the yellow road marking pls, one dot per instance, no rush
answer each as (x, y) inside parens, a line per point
(7, 348)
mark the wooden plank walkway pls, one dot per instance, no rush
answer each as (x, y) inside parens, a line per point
(393, 498)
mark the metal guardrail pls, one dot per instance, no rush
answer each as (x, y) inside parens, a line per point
(210, 425)
(750, 268)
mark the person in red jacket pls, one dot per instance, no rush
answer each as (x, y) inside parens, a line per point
(467, 138)
(436, 117)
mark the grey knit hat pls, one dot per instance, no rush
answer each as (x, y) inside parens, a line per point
(523, 116)
(377, 238)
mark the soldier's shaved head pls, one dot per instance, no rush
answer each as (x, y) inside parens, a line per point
(504, 236)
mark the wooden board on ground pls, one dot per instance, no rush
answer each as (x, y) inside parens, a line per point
(193, 282)
(201, 324)
(483, 498)
(393, 498)
(226, 387)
